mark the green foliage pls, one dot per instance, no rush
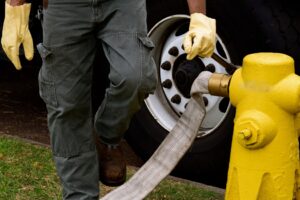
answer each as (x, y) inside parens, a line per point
(169, 189)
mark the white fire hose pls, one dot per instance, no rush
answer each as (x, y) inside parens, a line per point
(171, 150)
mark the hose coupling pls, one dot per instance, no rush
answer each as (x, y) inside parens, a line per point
(218, 84)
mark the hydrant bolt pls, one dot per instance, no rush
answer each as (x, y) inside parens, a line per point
(245, 134)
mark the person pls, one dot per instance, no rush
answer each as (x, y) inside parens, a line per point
(71, 31)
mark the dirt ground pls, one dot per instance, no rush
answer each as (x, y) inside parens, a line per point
(23, 113)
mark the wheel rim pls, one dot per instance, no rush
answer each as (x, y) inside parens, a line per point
(176, 76)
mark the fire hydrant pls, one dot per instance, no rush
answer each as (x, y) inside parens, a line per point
(264, 161)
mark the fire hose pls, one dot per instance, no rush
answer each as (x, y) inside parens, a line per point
(265, 91)
(171, 150)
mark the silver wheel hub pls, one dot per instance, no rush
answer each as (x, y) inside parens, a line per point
(176, 75)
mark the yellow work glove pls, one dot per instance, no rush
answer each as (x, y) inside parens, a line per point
(201, 37)
(15, 32)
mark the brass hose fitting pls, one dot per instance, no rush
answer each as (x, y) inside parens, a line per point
(218, 84)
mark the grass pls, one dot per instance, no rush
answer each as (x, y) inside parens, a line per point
(27, 172)
(170, 189)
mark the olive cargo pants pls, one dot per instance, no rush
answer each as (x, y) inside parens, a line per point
(72, 29)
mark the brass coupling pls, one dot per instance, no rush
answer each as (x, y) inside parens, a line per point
(218, 84)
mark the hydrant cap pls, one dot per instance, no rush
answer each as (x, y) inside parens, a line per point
(259, 66)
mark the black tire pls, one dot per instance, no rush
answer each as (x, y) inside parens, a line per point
(259, 26)
(245, 27)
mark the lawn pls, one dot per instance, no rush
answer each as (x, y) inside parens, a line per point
(27, 172)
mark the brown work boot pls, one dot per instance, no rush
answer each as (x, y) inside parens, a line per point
(112, 166)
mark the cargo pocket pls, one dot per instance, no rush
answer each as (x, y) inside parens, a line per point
(46, 83)
(149, 72)
(147, 42)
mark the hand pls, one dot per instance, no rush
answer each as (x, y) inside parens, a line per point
(15, 32)
(201, 37)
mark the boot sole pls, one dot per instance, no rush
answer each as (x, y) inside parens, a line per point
(113, 183)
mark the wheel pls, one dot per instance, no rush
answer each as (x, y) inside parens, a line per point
(210, 151)
(240, 32)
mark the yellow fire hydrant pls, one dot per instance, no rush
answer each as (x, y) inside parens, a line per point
(264, 161)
